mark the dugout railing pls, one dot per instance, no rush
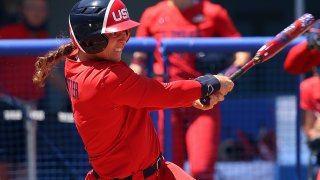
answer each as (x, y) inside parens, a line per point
(207, 45)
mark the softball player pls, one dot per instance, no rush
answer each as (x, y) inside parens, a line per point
(32, 26)
(111, 103)
(193, 131)
(302, 58)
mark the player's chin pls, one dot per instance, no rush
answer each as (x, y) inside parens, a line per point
(115, 57)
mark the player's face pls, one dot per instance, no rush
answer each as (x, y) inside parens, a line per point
(115, 46)
(35, 12)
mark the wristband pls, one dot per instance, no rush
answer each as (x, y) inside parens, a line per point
(209, 85)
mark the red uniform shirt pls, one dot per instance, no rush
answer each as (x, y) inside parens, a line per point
(300, 59)
(16, 71)
(310, 94)
(111, 107)
(201, 20)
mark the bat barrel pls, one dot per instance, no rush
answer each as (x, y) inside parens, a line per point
(279, 42)
(282, 39)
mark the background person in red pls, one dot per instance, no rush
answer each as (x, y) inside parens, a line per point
(111, 103)
(16, 71)
(16, 87)
(191, 128)
(302, 58)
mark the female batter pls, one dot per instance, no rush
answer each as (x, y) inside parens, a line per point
(111, 103)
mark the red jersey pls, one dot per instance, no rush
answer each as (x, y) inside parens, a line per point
(300, 59)
(111, 106)
(164, 20)
(16, 71)
(310, 94)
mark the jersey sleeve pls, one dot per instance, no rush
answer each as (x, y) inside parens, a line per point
(124, 87)
(300, 59)
(305, 98)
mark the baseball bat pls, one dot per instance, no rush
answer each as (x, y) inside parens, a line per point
(274, 46)
(280, 41)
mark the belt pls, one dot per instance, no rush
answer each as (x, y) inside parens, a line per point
(146, 173)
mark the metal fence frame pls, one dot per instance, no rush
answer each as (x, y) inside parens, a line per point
(148, 45)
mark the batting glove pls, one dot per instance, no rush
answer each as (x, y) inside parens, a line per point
(313, 36)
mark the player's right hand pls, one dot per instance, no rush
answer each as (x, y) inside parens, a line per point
(226, 84)
(313, 36)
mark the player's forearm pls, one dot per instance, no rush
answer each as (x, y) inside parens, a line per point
(141, 92)
(300, 59)
(309, 124)
(180, 93)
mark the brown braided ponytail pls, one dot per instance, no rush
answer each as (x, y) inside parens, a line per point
(45, 64)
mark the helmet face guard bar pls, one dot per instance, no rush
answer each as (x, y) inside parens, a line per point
(90, 20)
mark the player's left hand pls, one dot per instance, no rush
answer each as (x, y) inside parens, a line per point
(214, 99)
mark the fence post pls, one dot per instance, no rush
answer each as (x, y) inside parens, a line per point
(31, 142)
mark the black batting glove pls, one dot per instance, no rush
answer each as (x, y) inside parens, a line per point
(313, 36)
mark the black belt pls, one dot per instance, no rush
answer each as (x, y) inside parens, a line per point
(146, 173)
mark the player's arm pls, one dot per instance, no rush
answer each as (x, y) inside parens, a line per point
(228, 29)
(127, 88)
(300, 59)
(138, 62)
(310, 127)
(308, 112)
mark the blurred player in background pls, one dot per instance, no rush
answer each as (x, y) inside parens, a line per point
(302, 58)
(9, 11)
(193, 131)
(16, 88)
(16, 71)
(111, 103)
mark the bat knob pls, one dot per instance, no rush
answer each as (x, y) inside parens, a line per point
(205, 101)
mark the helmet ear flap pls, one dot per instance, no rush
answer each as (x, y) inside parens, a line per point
(94, 44)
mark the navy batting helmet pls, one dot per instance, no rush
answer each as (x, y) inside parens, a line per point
(90, 20)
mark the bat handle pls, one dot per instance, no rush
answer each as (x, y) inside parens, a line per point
(206, 100)
(245, 68)
(237, 74)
